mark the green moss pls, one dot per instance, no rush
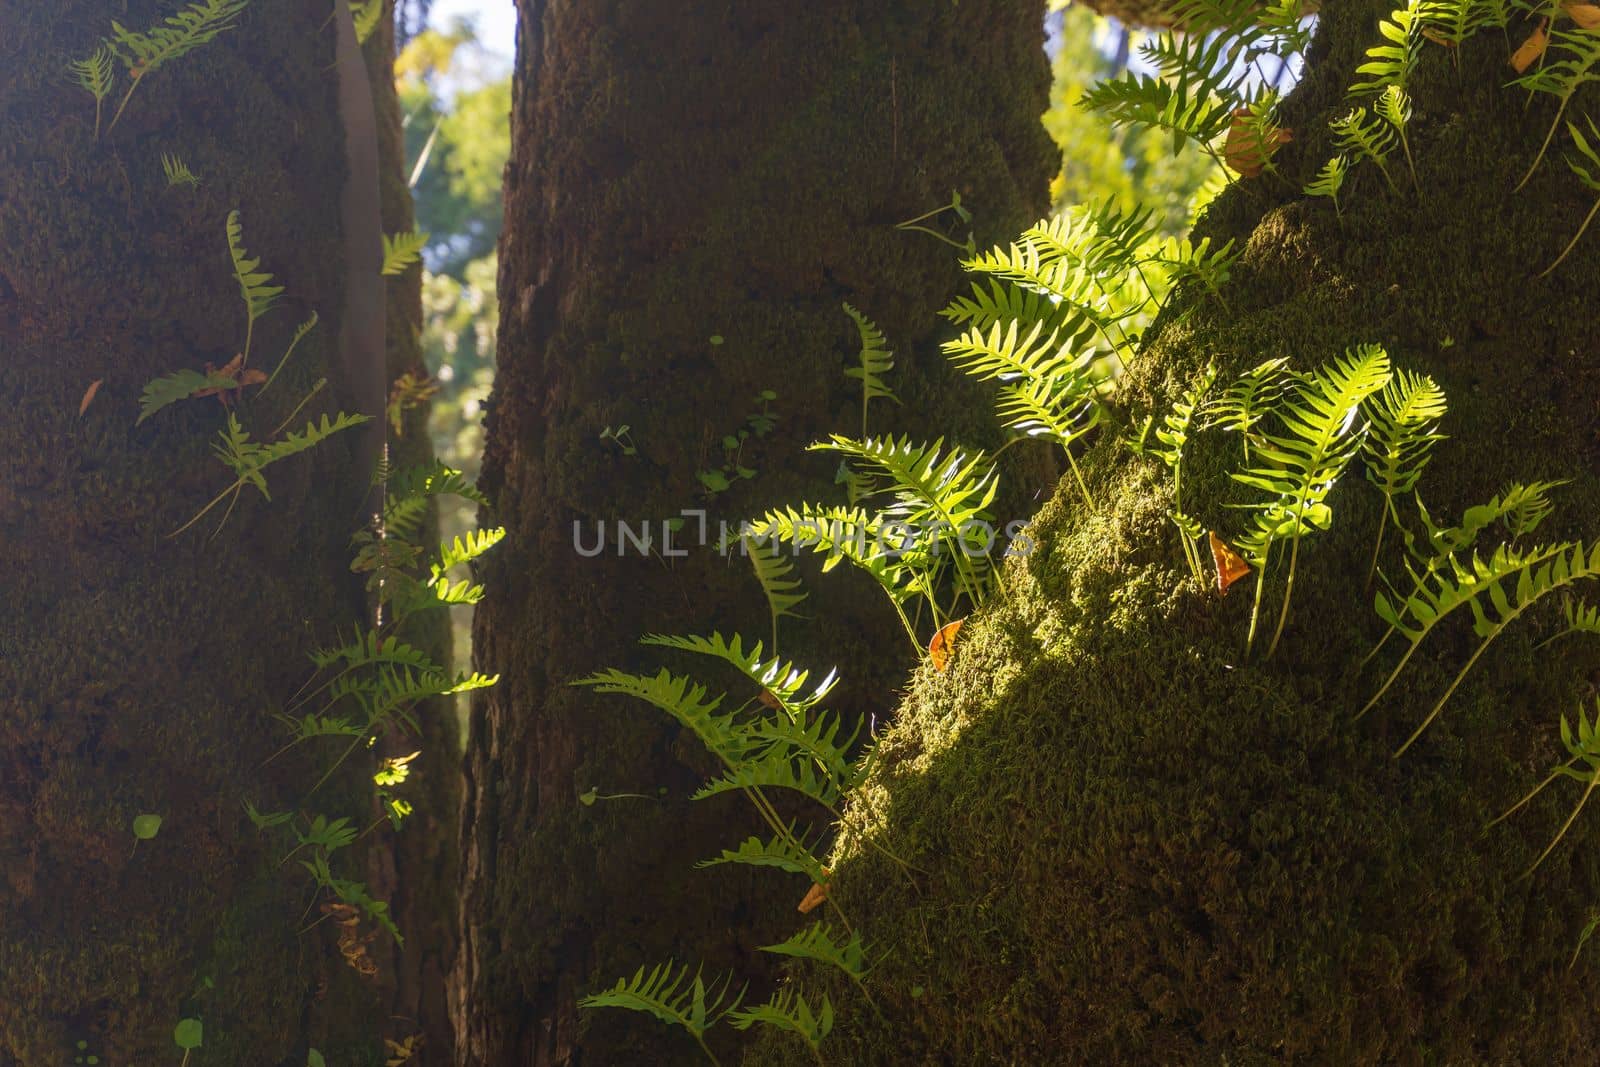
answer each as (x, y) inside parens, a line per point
(1143, 847)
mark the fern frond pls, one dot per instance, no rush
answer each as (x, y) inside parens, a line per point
(1452, 22)
(683, 700)
(1298, 467)
(998, 304)
(1250, 399)
(368, 648)
(179, 386)
(98, 76)
(1394, 107)
(255, 285)
(1583, 747)
(400, 250)
(1173, 435)
(1400, 442)
(787, 1010)
(177, 171)
(874, 361)
(776, 576)
(1190, 98)
(466, 549)
(1392, 61)
(776, 770)
(781, 679)
(1365, 136)
(1184, 260)
(819, 943)
(1570, 61)
(1581, 617)
(669, 994)
(1330, 179)
(144, 53)
(785, 852)
(408, 492)
(366, 14)
(1588, 174)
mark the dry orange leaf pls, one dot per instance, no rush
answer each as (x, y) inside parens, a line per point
(1531, 49)
(814, 897)
(943, 641)
(88, 396)
(1230, 565)
(1246, 150)
(1587, 16)
(770, 701)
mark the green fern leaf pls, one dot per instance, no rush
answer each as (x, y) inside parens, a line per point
(1330, 180)
(778, 769)
(776, 575)
(786, 683)
(786, 852)
(466, 549)
(686, 702)
(98, 76)
(818, 942)
(874, 362)
(1393, 61)
(179, 386)
(255, 285)
(144, 53)
(366, 14)
(787, 1010)
(400, 250)
(669, 994)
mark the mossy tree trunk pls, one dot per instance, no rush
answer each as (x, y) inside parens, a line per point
(139, 670)
(694, 191)
(1145, 846)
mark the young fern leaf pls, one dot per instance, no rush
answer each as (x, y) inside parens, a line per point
(787, 1010)
(668, 994)
(776, 575)
(144, 53)
(874, 362)
(818, 942)
(1392, 62)
(1579, 53)
(1582, 618)
(466, 549)
(1249, 400)
(1364, 136)
(784, 852)
(1173, 435)
(1299, 467)
(400, 250)
(1394, 107)
(366, 14)
(255, 285)
(1330, 179)
(1532, 576)
(98, 76)
(1583, 747)
(1184, 260)
(1403, 419)
(177, 171)
(1589, 175)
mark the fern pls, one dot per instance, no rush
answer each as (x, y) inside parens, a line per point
(1577, 53)
(1589, 175)
(466, 549)
(1394, 107)
(668, 994)
(780, 852)
(938, 493)
(401, 250)
(683, 700)
(145, 53)
(1582, 743)
(789, 1011)
(1173, 434)
(179, 386)
(1481, 587)
(255, 285)
(1330, 179)
(1185, 261)
(1299, 467)
(873, 363)
(1452, 22)
(366, 14)
(819, 943)
(778, 769)
(1392, 62)
(782, 590)
(1581, 618)
(1246, 403)
(300, 334)
(781, 680)
(98, 76)
(1365, 136)
(177, 171)
(1403, 419)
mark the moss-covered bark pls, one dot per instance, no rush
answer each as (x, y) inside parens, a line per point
(1143, 847)
(138, 671)
(417, 873)
(694, 191)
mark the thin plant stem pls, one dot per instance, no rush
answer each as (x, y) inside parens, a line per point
(1574, 242)
(1288, 592)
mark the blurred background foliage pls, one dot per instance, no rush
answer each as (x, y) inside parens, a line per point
(456, 94)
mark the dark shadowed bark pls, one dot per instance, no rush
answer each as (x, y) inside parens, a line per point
(138, 670)
(1144, 846)
(694, 191)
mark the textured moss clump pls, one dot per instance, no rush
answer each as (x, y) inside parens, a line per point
(1141, 847)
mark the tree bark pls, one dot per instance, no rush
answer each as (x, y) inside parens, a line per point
(1143, 845)
(694, 190)
(138, 670)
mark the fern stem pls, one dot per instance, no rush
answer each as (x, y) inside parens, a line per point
(1082, 486)
(1377, 546)
(1288, 592)
(123, 106)
(1535, 791)
(1574, 242)
(1594, 780)
(1555, 124)
(315, 389)
(1255, 610)
(201, 513)
(701, 1041)
(1460, 675)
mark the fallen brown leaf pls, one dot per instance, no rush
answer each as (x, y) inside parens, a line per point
(1530, 50)
(88, 396)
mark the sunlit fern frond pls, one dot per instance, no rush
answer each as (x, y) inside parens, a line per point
(1330, 180)
(1183, 260)
(1570, 63)
(776, 769)
(464, 549)
(366, 14)
(874, 361)
(993, 303)
(255, 285)
(779, 678)
(685, 701)
(143, 53)
(785, 852)
(1250, 399)
(778, 583)
(1452, 22)
(1363, 135)
(1404, 418)
(1393, 60)
(401, 250)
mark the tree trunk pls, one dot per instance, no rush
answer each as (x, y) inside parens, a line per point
(1144, 846)
(693, 193)
(139, 670)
